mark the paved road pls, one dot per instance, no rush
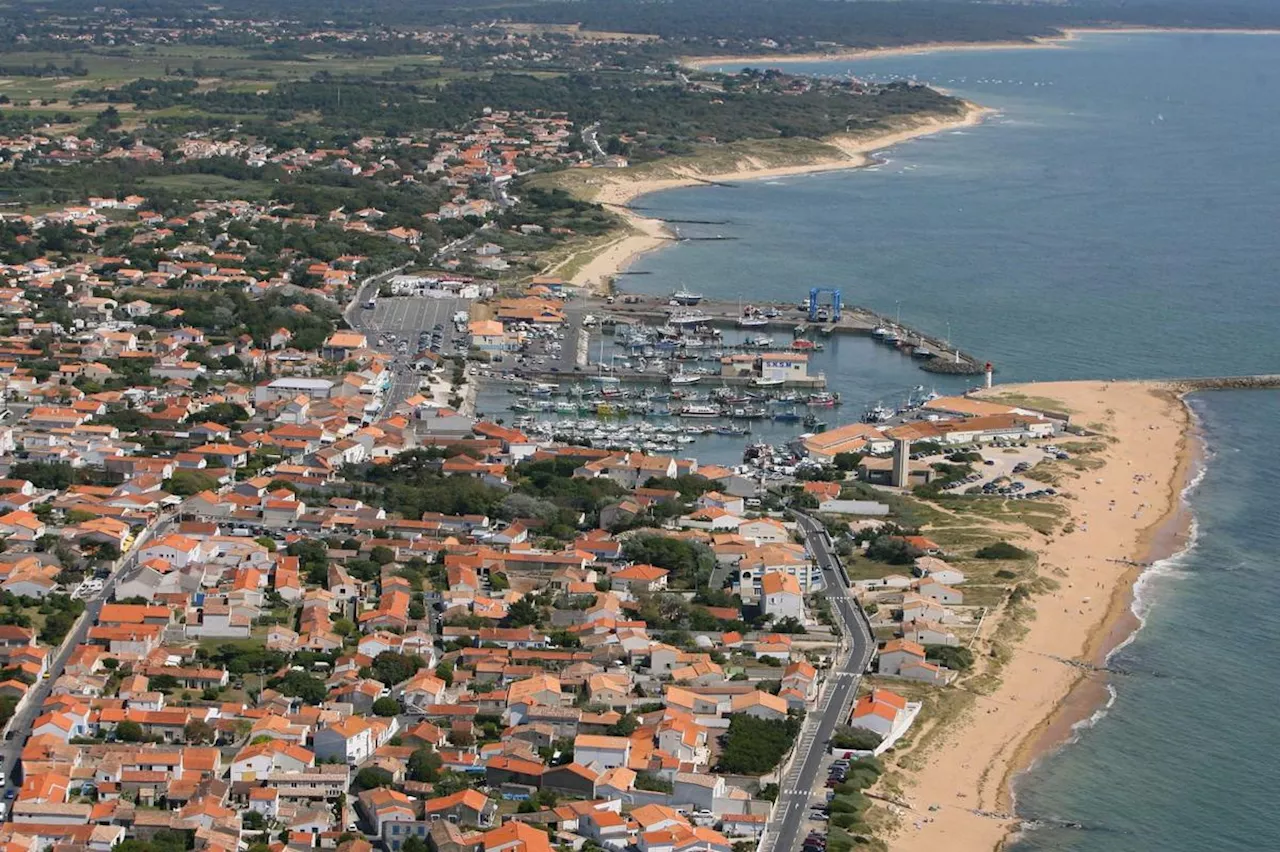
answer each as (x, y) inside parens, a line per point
(20, 726)
(791, 812)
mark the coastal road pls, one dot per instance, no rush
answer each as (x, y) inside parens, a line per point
(19, 727)
(792, 808)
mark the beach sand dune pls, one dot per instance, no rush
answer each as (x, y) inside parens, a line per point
(1129, 511)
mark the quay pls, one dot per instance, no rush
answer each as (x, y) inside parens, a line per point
(930, 353)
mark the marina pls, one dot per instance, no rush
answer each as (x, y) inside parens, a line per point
(802, 321)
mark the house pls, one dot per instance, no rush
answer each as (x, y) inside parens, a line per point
(350, 740)
(341, 345)
(178, 550)
(781, 596)
(639, 578)
(601, 752)
(906, 659)
(880, 711)
(761, 705)
(469, 807)
(764, 531)
(931, 589)
(896, 653)
(928, 633)
(255, 762)
(20, 525)
(489, 336)
(382, 806)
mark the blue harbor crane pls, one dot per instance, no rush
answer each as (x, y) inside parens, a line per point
(820, 314)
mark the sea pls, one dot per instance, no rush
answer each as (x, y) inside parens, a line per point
(1116, 218)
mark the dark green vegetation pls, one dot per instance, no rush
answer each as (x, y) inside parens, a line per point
(718, 26)
(689, 562)
(1001, 550)
(754, 746)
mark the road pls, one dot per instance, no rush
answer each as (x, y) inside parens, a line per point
(792, 808)
(591, 136)
(19, 728)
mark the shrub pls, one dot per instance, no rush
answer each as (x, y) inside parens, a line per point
(1001, 550)
(955, 658)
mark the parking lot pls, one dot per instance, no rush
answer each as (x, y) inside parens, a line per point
(1001, 473)
(404, 326)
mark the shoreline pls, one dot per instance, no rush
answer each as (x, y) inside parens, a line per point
(1042, 700)
(1163, 540)
(852, 54)
(615, 190)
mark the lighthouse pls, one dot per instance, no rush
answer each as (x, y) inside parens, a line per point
(987, 370)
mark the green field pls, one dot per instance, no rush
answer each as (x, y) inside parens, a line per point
(216, 66)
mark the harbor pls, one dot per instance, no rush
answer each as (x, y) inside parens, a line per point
(822, 315)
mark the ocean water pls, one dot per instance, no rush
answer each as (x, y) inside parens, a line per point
(1183, 758)
(1117, 218)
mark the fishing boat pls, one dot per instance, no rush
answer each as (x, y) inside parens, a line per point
(822, 400)
(786, 417)
(763, 382)
(687, 318)
(678, 379)
(686, 298)
(813, 424)
(877, 414)
(730, 430)
(700, 411)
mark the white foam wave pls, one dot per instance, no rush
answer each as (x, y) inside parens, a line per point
(1173, 566)
(1096, 717)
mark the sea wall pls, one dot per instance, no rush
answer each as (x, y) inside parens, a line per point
(1261, 382)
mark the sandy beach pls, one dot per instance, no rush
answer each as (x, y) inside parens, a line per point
(850, 54)
(616, 188)
(1130, 511)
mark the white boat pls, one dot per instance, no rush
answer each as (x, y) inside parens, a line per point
(685, 379)
(684, 297)
(604, 380)
(700, 411)
(768, 383)
(879, 331)
(752, 322)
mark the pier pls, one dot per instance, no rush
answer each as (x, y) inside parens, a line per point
(941, 357)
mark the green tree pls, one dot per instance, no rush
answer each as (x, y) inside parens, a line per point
(847, 461)
(392, 668)
(199, 732)
(386, 707)
(302, 685)
(129, 731)
(184, 483)
(444, 671)
(424, 765)
(371, 777)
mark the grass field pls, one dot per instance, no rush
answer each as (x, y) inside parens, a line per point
(213, 185)
(216, 66)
